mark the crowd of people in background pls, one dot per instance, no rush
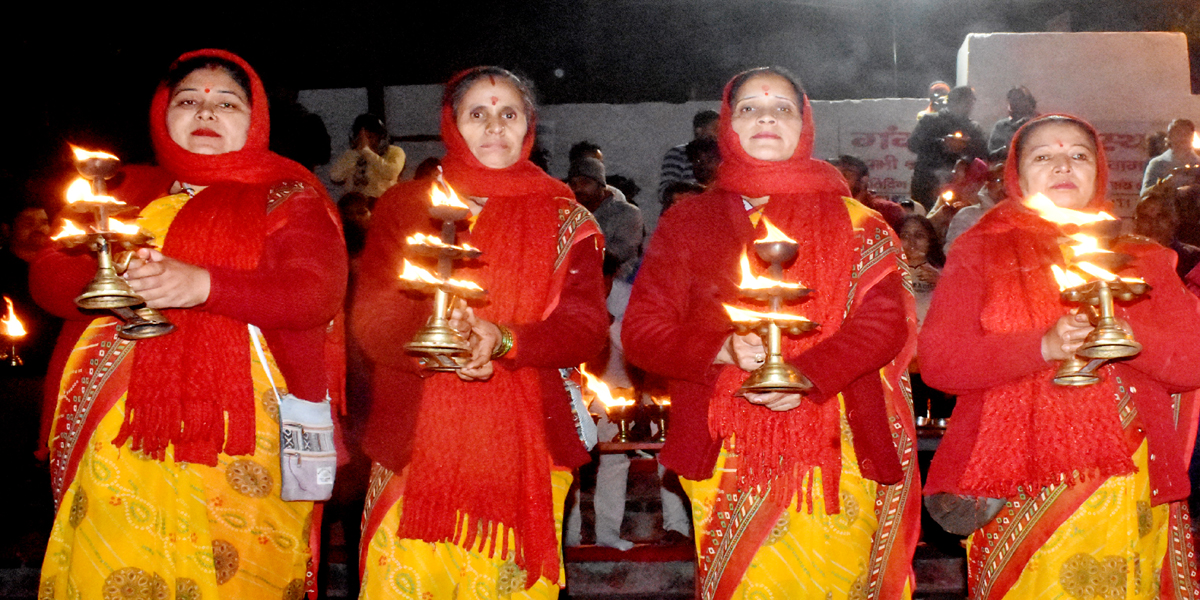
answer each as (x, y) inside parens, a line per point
(629, 282)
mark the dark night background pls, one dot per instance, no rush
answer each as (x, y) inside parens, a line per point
(89, 80)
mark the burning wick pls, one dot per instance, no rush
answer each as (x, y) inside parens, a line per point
(1056, 214)
(440, 198)
(12, 325)
(741, 315)
(758, 282)
(69, 230)
(602, 392)
(82, 155)
(81, 191)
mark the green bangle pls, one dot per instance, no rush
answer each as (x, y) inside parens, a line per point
(506, 342)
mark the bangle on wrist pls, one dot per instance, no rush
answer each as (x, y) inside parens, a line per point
(505, 344)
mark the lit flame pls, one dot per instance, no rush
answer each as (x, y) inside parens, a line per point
(1066, 279)
(758, 282)
(1095, 271)
(69, 230)
(1085, 244)
(602, 392)
(958, 134)
(1196, 140)
(741, 315)
(948, 196)
(124, 228)
(81, 191)
(1056, 214)
(412, 272)
(441, 199)
(12, 325)
(82, 155)
(464, 284)
(773, 234)
(421, 239)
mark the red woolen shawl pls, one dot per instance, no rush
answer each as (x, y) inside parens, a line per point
(480, 448)
(189, 386)
(807, 204)
(1031, 432)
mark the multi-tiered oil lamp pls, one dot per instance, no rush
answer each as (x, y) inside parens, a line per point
(774, 375)
(619, 405)
(14, 332)
(1088, 281)
(438, 346)
(107, 290)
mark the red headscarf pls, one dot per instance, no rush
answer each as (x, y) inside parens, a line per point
(739, 172)
(187, 387)
(1062, 431)
(481, 447)
(254, 163)
(1012, 166)
(470, 177)
(806, 202)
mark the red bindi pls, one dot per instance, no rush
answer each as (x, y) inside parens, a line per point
(206, 90)
(766, 90)
(495, 100)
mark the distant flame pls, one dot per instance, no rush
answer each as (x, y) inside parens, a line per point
(441, 199)
(948, 195)
(741, 315)
(958, 134)
(773, 234)
(421, 239)
(69, 230)
(82, 155)
(12, 325)
(602, 392)
(412, 272)
(750, 281)
(1196, 140)
(1066, 279)
(80, 191)
(1056, 214)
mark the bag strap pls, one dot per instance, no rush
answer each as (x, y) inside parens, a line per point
(254, 335)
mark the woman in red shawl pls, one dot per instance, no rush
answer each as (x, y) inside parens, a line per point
(165, 461)
(1071, 491)
(793, 496)
(472, 467)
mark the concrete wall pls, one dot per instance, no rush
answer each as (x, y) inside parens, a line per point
(1127, 84)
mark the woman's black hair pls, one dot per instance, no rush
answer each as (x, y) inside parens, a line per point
(1024, 133)
(741, 78)
(935, 255)
(179, 71)
(454, 93)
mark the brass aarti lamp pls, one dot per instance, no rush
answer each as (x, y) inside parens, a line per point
(438, 346)
(775, 375)
(107, 290)
(1090, 282)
